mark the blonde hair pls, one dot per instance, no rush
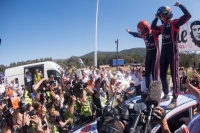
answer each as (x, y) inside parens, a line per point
(112, 80)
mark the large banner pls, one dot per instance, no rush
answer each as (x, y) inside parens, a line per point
(189, 36)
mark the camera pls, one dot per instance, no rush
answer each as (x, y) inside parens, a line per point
(22, 107)
(136, 118)
(32, 113)
(7, 114)
(85, 85)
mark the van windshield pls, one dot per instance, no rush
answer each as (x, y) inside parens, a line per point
(59, 67)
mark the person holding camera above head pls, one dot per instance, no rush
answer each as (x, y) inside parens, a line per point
(104, 93)
(56, 118)
(69, 106)
(87, 107)
(28, 77)
(41, 112)
(27, 123)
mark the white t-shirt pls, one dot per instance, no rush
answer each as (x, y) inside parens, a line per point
(85, 79)
(80, 61)
(143, 84)
(136, 79)
(170, 82)
(28, 78)
(89, 72)
(2, 88)
(127, 78)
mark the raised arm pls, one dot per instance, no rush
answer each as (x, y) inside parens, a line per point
(135, 34)
(183, 19)
(154, 25)
(39, 83)
(193, 89)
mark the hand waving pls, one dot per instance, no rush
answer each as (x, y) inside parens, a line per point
(177, 4)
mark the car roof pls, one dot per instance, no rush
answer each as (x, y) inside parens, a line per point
(184, 102)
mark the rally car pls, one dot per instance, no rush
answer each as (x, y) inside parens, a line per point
(182, 114)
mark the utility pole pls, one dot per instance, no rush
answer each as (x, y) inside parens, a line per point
(95, 35)
(116, 55)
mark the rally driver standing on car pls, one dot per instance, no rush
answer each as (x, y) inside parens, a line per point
(169, 51)
(152, 49)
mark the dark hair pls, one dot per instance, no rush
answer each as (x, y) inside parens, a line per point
(49, 105)
(196, 42)
(103, 83)
(67, 97)
(98, 81)
(36, 105)
(42, 98)
(113, 123)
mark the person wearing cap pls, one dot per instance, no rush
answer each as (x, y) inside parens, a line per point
(130, 91)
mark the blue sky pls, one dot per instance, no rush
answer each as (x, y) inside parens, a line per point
(34, 29)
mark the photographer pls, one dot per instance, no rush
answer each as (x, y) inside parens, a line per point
(69, 105)
(26, 123)
(84, 101)
(117, 125)
(103, 93)
(41, 112)
(56, 118)
(163, 122)
(86, 105)
(194, 124)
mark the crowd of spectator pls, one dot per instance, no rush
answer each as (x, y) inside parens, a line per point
(45, 104)
(50, 105)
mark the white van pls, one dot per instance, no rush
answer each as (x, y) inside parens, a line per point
(47, 68)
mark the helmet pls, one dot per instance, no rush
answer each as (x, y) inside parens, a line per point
(143, 27)
(165, 9)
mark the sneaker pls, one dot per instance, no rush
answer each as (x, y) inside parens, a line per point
(172, 105)
(165, 98)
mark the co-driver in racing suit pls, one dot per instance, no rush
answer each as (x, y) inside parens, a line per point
(152, 49)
